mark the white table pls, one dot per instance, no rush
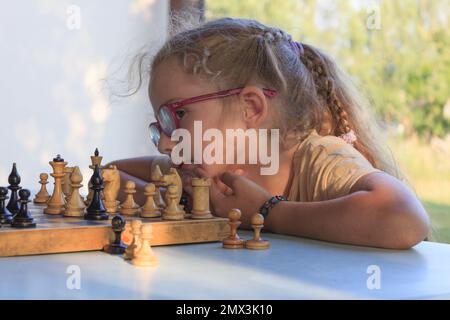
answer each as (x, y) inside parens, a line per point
(293, 268)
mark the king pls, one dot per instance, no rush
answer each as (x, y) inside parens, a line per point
(56, 203)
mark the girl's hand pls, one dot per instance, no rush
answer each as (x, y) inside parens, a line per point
(232, 190)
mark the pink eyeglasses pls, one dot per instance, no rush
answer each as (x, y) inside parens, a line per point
(167, 120)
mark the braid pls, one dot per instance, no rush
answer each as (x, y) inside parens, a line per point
(272, 35)
(276, 35)
(325, 88)
(268, 39)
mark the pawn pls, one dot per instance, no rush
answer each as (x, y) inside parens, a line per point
(75, 205)
(173, 210)
(129, 207)
(42, 196)
(144, 255)
(257, 243)
(5, 215)
(23, 218)
(117, 246)
(150, 209)
(135, 243)
(233, 241)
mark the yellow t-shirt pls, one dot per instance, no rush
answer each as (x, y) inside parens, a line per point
(325, 168)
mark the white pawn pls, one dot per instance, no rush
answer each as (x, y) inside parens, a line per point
(42, 196)
(257, 243)
(150, 209)
(129, 207)
(144, 255)
(135, 243)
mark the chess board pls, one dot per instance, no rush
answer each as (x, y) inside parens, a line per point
(58, 234)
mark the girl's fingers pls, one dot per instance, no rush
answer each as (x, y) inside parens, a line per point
(187, 186)
(188, 189)
(232, 180)
(200, 173)
(222, 186)
(216, 195)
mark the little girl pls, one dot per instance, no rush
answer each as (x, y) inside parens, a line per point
(336, 180)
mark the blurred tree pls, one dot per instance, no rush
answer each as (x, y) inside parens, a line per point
(398, 50)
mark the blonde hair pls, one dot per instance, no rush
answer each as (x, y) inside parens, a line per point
(314, 92)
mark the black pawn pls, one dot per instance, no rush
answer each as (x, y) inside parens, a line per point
(96, 209)
(184, 201)
(117, 246)
(23, 219)
(14, 181)
(5, 215)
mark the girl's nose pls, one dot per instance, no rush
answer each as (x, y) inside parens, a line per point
(165, 145)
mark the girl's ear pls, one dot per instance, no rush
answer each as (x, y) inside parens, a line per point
(254, 106)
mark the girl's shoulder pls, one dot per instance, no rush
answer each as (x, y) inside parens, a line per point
(326, 167)
(317, 144)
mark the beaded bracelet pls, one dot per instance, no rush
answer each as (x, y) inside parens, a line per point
(269, 204)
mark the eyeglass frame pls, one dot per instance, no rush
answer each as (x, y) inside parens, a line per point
(173, 106)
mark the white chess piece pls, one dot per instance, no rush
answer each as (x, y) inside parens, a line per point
(144, 255)
(135, 243)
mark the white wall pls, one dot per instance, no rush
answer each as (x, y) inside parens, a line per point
(52, 96)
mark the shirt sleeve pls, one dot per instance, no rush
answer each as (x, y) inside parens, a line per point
(333, 168)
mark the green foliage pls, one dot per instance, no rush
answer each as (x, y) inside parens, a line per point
(398, 50)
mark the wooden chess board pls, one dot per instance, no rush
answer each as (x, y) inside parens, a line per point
(58, 234)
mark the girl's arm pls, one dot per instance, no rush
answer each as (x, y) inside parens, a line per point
(380, 212)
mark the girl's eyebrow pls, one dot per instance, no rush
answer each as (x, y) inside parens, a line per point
(171, 100)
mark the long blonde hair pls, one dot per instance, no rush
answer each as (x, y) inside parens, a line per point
(315, 93)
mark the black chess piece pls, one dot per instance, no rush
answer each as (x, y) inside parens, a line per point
(5, 215)
(96, 209)
(117, 246)
(14, 181)
(186, 203)
(23, 218)
(58, 158)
